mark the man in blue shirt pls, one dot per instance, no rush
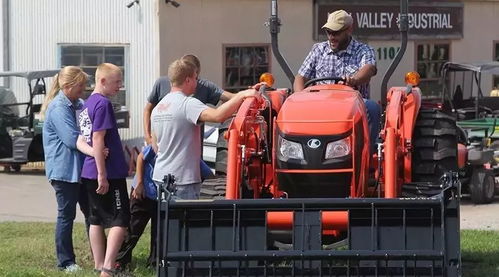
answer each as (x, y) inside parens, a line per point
(142, 208)
(343, 56)
(206, 91)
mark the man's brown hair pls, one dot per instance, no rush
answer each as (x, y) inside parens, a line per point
(179, 70)
(193, 59)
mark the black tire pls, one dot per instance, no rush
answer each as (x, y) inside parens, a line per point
(222, 148)
(434, 146)
(16, 167)
(482, 186)
(213, 188)
(222, 151)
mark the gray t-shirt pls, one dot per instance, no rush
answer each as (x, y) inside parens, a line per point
(206, 91)
(174, 121)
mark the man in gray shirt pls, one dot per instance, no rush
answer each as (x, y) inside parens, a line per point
(206, 91)
(175, 123)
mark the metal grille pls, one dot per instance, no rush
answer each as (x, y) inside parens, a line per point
(385, 237)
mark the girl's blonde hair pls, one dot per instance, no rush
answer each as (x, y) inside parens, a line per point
(69, 76)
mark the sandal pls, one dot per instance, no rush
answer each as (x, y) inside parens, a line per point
(110, 272)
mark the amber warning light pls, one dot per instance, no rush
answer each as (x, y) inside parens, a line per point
(412, 78)
(267, 78)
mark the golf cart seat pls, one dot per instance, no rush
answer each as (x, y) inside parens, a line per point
(491, 102)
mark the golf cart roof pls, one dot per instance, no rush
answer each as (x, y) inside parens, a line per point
(484, 67)
(30, 75)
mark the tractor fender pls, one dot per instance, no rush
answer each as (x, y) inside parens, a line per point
(480, 157)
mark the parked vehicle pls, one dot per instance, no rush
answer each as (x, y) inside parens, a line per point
(21, 136)
(476, 112)
(20, 126)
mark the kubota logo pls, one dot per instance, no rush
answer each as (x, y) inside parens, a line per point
(314, 143)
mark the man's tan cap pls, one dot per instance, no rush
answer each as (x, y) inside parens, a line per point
(338, 20)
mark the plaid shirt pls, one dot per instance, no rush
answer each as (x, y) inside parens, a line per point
(323, 62)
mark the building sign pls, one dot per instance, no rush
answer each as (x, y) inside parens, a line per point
(380, 21)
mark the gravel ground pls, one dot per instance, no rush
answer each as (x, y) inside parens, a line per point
(27, 196)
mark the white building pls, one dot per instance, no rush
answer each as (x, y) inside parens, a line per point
(48, 34)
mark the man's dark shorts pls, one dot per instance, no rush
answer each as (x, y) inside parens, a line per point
(111, 209)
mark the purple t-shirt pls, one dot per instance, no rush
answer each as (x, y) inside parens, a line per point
(98, 115)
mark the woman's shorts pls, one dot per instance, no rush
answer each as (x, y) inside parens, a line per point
(111, 209)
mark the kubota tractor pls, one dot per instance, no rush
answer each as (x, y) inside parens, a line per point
(306, 197)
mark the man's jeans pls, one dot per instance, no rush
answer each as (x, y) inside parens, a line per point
(373, 119)
(67, 195)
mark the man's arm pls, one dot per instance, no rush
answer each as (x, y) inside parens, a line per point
(138, 192)
(83, 147)
(363, 76)
(226, 96)
(225, 110)
(147, 122)
(299, 83)
(154, 143)
(98, 146)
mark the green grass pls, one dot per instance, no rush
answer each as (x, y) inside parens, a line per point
(27, 249)
(480, 253)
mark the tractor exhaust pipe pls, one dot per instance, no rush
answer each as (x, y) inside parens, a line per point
(275, 25)
(403, 27)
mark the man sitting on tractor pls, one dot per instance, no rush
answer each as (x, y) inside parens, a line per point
(342, 56)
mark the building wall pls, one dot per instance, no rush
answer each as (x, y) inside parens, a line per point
(480, 31)
(156, 33)
(203, 26)
(38, 27)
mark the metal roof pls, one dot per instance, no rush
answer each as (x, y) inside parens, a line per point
(30, 75)
(482, 67)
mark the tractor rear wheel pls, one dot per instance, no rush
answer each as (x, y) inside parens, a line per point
(222, 148)
(222, 151)
(434, 146)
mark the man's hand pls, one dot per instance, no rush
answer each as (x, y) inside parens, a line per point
(138, 192)
(105, 152)
(351, 81)
(258, 85)
(252, 92)
(103, 184)
(148, 139)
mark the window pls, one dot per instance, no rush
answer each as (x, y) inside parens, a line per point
(88, 57)
(244, 64)
(429, 61)
(495, 85)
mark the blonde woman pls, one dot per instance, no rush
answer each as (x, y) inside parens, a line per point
(63, 163)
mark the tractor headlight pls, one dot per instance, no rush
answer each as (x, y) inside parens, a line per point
(337, 149)
(289, 150)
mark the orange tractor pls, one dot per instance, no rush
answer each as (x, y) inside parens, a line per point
(306, 197)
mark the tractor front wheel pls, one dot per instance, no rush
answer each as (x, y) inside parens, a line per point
(435, 146)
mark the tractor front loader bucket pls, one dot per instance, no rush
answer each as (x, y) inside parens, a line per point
(384, 237)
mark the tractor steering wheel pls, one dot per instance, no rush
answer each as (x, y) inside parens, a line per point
(334, 79)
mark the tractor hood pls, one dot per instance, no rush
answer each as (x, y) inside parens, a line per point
(320, 110)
